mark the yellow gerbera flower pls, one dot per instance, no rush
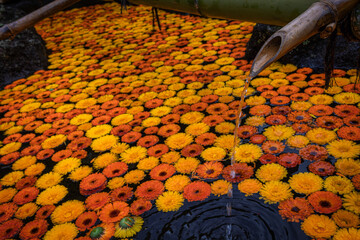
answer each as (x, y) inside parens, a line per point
(213, 154)
(345, 218)
(177, 183)
(116, 182)
(191, 117)
(298, 141)
(351, 202)
(81, 119)
(321, 135)
(98, 131)
(85, 103)
(220, 187)
(67, 165)
(7, 194)
(179, 140)
(348, 166)
(11, 178)
(148, 163)
(169, 201)
(338, 185)
(322, 99)
(104, 143)
(225, 127)
(62, 231)
(133, 154)
(347, 98)
(255, 121)
(128, 226)
(24, 162)
(67, 212)
(26, 210)
(250, 186)
(48, 180)
(275, 191)
(271, 172)
(122, 119)
(52, 195)
(319, 226)
(343, 149)
(247, 153)
(186, 165)
(34, 169)
(134, 176)
(80, 173)
(347, 233)
(10, 148)
(306, 183)
(278, 132)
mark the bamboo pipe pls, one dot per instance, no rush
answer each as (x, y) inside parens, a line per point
(11, 29)
(322, 17)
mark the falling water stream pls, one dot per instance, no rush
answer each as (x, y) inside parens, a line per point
(236, 139)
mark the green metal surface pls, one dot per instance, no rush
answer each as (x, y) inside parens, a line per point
(273, 12)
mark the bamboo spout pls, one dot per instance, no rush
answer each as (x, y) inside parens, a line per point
(11, 29)
(321, 17)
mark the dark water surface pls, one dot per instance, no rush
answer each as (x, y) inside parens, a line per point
(250, 218)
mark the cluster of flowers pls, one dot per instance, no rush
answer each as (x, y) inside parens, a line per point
(127, 118)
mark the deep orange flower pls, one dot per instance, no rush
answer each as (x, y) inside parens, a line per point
(74, 135)
(121, 130)
(60, 155)
(281, 110)
(237, 172)
(93, 183)
(314, 91)
(66, 130)
(10, 228)
(199, 107)
(265, 88)
(34, 229)
(299, 97)
(148, 141)
(209, 169)
(349, 133)
(154, 103)
(269, 94)
(268, 158)
(168, 130)
(116, 111)
(230, 115)
(192, 150)
(352, 121)
(217, 108)
(322, 168)
(300, 127)
(31, 150)
(356, 181)
(115, 169)
(97, 200)
(329, 122)
(206, 139)
(44, 154)
(158, 150)
(7, 210)
(12, 138)
(289, 160)
(26, 138)
(162, 172)
(26, 195)
(44, 211)
(325, 202)
(121, 194)
(9, 158)
(321, 110)
(86, 220)
(114, 212)
(170, 119)
(110, 104)
(299, 117)
(273, 147)
(346, 110)
(294, 77)
(295, 209)
(246, 131)
(140, 206)
(279, 100)
(79, 143)
(149, 190)
(275, 119)
(101, 119)
(313, 153)
(197, 191)
(25, 182)
(80, 154)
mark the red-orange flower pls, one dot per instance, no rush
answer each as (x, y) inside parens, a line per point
(313, 153)
(321, 110)
(25, 182)
(168, 130)
(44, 211)
(209, 169)
(289, 160)
(352, 121)
(197, 191)
(93, 183)
(121, 194)
(97, 200)
(192, 150)
(275, 119)
(149, 190)
(329, 122)
(268, 158)
(346, 110)
(86, 220)
(325, 202)
(26, 195)
(295, 209)
(10, 228)
(140, 206)
(237, 172)
(115, 169)
(260, 110)
(246, 131)
(7, 210)
(273, 147)
(299, 117)
(158, 150)
(114, 212)
(148, 141)
(206, 139)
(300, 127)
(322, 168)
(349, 133)
(34, 229)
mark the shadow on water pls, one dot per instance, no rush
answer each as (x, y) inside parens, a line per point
(251, 218)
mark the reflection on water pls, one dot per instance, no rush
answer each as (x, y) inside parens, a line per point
(250, 218)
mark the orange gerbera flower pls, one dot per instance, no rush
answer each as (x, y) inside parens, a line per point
(162, 171)
(150, 190)
(114, 212)
(210, 169)
(295, 209)
(325, 202)
(197, 191)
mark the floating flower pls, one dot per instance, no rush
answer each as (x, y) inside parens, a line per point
(34, 229)
(170, 201)
(313, 153)
(343, 149)
(347, 98)
(349, 133)
(295, 209)
(220, 187)
(67, 165)
(162, 172)
(68, 211)
(325, 202)
(10, 148)
(348, 166)
(345, 219)
(319, 226)
(278, 132)
(250, 186)
(255, 121)
(347, 233)
(237, 172)
(25, 195)
(103, 231)
(271, 172)
(98, 131)
(86, 220)
(44, 211)
(179, 140)
(80, 173)
(132, 177)
(27, 210)
(149, 190)
(177, 183)
(275, 191)
(128, 227)
(247, 153)
(197, 191)
(351, 202)
(62, 231)
(289, 160)
(11, 178)
(297, 141)
(321, 136)
(306, 183)
(53, 141)
(273, 147)
(338, 185)
(97, 200)
(7, 210)
(114, 212)
(104, 143)
(186, 165)
(140, 206)
(7, 194)
(10, 228)
(322, 168)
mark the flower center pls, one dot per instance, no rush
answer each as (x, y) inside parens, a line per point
(325, 204)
